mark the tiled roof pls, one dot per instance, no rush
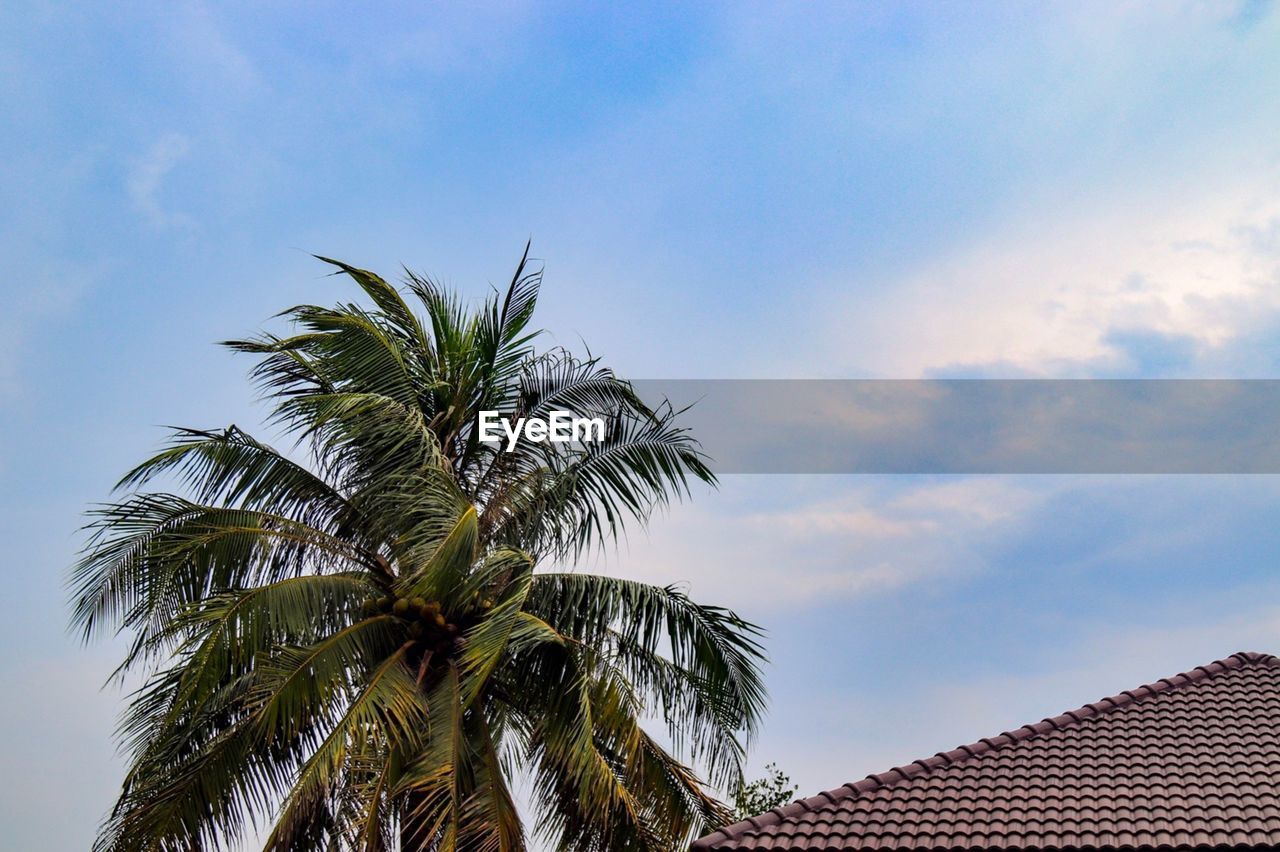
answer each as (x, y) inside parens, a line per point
(1189, 762)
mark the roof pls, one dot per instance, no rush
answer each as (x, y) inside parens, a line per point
(1188, 762)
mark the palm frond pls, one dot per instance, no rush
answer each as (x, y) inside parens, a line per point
(711, 682)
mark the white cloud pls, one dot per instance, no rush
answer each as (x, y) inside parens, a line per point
(1049, 294)
(146, 179)
(203, 51)
(824, 539)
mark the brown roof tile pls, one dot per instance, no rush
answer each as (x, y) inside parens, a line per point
(1188, 762)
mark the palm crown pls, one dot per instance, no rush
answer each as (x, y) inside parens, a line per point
(357, 646)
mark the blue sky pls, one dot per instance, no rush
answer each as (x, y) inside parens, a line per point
(861, 190)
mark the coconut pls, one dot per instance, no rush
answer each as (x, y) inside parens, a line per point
(401, 607)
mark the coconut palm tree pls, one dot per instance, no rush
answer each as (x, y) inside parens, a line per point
(360, 643)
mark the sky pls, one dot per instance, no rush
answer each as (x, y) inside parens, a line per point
(874, 190)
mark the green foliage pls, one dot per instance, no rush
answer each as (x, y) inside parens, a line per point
(357, 645)
(763, 794)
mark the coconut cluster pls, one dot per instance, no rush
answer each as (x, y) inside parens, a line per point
(426, 620)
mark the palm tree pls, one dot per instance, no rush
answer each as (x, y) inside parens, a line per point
(360, 643)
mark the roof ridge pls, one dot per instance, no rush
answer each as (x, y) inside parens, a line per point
(916, 768)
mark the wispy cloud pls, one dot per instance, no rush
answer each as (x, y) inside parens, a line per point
(788, 542)
(204, 52)
(1153, 282)
(146, 182)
